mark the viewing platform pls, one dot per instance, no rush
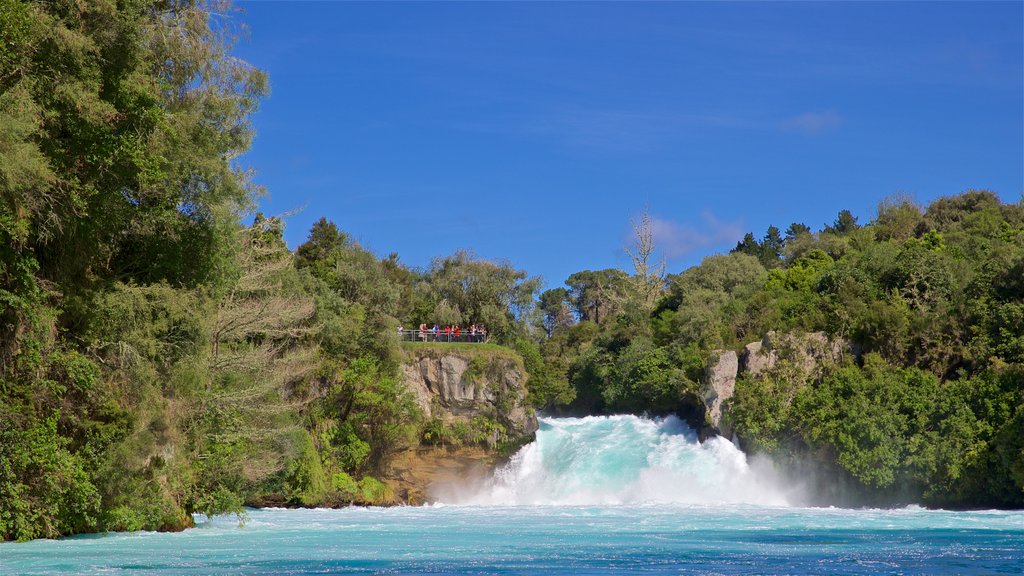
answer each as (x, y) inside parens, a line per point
(442, 335)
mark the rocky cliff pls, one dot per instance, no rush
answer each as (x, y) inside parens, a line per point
(807, 354)
(475, 411)
(717, 387)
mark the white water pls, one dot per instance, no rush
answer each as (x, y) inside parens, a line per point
(613, 460)
(648, 499)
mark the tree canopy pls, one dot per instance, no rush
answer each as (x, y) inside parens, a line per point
(163, 352)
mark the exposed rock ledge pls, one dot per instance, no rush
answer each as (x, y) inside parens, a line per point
(807, 353)
(718, 386)
(456, 386)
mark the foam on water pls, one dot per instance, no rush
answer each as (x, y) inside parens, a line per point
(634, 495)
(615, 460)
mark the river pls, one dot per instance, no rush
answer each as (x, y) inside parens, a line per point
(599, 495)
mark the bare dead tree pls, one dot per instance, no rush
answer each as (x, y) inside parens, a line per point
(649, 277)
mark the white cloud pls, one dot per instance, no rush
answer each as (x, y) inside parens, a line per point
(675, 240)
(813, 123)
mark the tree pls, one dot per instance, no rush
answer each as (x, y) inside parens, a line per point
(648, 277)
(324, 239)
(554, 305)
(643, 377)
(702, 296)
(371, 414)
(494, 294)
(845, 223)
(596, 295)
(260, 351)
(771, 248)
(724, 273)
(547, 383)
(768, 251)
(748, 245)
(898, 218)
(120, 128)
(950, 212)
(796, 230)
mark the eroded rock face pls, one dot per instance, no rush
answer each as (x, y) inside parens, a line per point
(756, 357)
(809, 352)
(451, 387)
(456, 388)
(718, 386)
(430, 473)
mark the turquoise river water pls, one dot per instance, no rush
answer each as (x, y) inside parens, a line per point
(599, 495)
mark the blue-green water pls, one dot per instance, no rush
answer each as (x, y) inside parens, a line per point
(660, 539)
(592, 496)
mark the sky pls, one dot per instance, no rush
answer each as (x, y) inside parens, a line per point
(532, 133)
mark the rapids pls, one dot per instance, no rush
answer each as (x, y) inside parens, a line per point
(616, 460)
(599, 495)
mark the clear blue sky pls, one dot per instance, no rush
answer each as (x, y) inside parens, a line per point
(532, 132)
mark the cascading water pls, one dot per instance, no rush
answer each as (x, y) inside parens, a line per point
(699, 522)
(608, 460)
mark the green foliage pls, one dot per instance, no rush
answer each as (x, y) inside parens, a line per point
(346, 488)
(555, 305)
(768, 251)
(899, 431)
(47, 487)
(147, 341)
(863, 415)
(479, 431)
(761, 409)
(463, 288)
(803, 274)
(373, 491)
(547, 384)
(597, 295)
(643, 377)
(368, 416)
(845, 223)
(220, 500)
(305, 482)
(158, 358)
(934, 299)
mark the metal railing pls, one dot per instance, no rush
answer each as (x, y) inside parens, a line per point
(440, 335)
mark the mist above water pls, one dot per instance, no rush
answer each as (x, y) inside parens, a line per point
(610, 460)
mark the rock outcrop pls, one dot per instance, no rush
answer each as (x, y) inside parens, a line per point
(453, 387)
(718, 386)
(459, 390)
(808, 354)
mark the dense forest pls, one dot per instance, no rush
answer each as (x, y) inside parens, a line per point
(163, 352)
(931, 409)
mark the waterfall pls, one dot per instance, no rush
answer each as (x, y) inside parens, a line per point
(608, 460)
